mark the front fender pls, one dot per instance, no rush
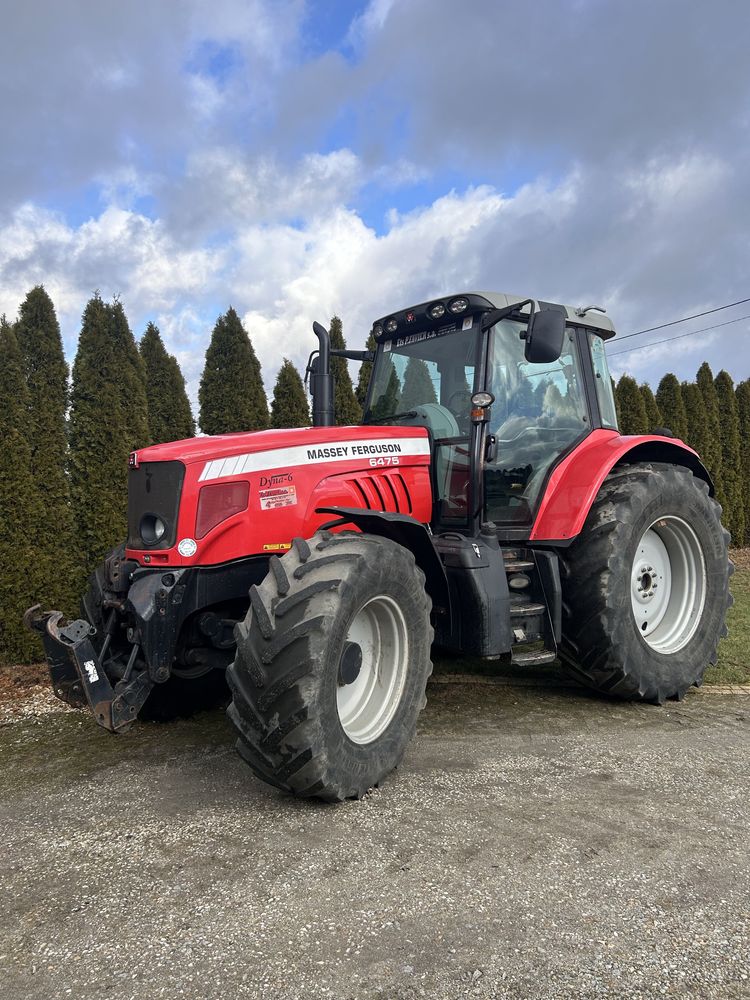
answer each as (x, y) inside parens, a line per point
(408, 532)
(575, 482)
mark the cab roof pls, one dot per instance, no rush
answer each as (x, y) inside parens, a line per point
(417, 317)
(592, 316)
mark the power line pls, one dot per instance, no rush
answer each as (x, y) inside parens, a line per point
(707, 312)
(681, 336)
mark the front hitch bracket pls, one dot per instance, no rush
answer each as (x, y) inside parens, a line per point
(78, 676)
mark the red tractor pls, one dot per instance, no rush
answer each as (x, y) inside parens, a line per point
(487, 503)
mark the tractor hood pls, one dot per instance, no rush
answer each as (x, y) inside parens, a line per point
(327, 442)
(210, 500)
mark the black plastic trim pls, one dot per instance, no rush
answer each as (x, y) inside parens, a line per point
(408, 532)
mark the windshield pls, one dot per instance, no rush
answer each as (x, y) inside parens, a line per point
(426, 378)
(538, 413)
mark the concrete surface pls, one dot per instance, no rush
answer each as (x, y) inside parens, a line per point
(535, 844)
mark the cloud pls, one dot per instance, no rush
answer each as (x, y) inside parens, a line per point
(489, 86)
(292, 250)
(579, 152)
(86, 92)
(224, 188)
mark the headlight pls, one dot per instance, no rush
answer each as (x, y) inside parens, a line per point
(459, 305)
(436, 311)
(391, 325)
(152, 529)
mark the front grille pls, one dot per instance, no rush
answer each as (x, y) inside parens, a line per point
(154, 488)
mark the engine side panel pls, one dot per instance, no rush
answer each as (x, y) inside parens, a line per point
(575, 482)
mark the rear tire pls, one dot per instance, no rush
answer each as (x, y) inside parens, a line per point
(646, 585)
(331, 666)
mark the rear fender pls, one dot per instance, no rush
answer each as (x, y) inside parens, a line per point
(575, 483)
(407, 532)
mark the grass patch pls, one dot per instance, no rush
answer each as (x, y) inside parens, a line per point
(734, 656)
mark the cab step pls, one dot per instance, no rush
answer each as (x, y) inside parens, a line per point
(525, 609)
(518, 565)
(532, 657)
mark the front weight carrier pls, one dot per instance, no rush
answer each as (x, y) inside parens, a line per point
(78, 677)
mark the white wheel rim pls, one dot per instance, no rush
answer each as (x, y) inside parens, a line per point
(668, 584)
(367, 705)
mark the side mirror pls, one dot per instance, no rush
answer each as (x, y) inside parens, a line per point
(544, 337)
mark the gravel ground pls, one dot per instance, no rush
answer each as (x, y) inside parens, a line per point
(537, 843)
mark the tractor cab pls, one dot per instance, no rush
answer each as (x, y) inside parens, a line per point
(505, 388)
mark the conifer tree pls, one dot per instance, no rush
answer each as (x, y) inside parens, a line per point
(388, 402)
(711, 455)
(653, 414)
(617, 403)
(103, 432)
(630, 407)
(418, 386)
(695, 411)
(365, 371)
(231, 394)
(743, 414)
(289, 406)
(346, 408)
(731, 457)
(131, 376)
(671, 405)
(169, 415)
(20, 509)
(46, 374)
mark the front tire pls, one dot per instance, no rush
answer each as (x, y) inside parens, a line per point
(331, 666)
(646, 585)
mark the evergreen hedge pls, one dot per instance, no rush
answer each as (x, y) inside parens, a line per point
(631, 410)
(346, 408)
(654, 418)
(743, 415)
(108, 420)
(169, 414)
(21, 511)
(731, 458)
(289, 407)
(365, 370)
(671, 406)
(46, 379)
(231, 394)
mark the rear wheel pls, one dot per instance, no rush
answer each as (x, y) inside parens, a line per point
(331, 665)
(646, 585)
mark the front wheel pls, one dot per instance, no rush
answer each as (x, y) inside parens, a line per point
(646, 585)
(331, 665)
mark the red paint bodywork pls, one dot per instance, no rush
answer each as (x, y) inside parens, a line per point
(403, 486)
(575, 482)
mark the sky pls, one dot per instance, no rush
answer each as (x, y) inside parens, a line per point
(298, 159)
